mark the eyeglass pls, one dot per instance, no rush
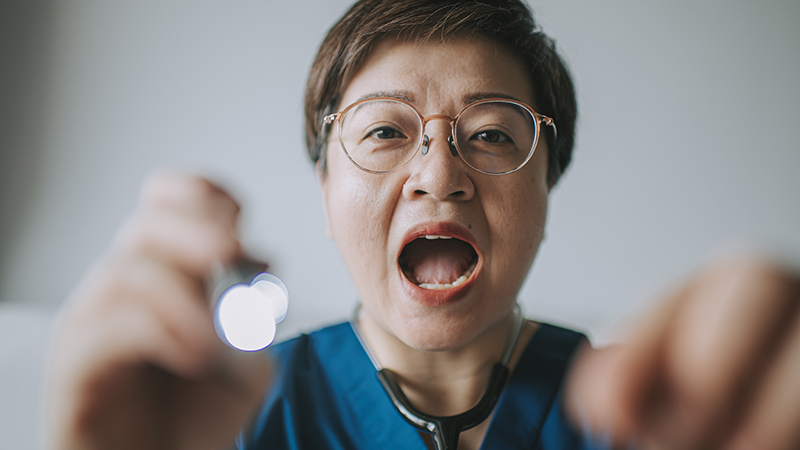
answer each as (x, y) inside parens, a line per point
(494, 136)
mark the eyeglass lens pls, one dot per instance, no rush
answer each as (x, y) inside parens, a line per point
(383, 135)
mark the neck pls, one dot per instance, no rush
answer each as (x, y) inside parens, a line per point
(447, 382)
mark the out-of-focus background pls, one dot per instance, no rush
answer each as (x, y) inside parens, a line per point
(687, 145)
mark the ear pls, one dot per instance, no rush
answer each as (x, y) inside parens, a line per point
(322, 179)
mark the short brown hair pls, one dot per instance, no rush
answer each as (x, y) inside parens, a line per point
(508, 22)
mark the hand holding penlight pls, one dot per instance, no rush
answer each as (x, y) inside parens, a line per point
(248, 303)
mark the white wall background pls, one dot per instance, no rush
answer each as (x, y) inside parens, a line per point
(687, 143)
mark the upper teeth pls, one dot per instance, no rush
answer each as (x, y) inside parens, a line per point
(436, 236)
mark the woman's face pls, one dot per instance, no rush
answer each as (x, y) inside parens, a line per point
(384, 224)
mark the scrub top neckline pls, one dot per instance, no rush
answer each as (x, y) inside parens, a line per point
(518, 417)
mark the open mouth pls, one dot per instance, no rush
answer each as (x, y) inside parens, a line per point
(438, 262)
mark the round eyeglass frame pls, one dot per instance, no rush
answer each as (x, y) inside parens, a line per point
(538, 119)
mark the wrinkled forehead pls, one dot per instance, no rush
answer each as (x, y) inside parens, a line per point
(445, 73)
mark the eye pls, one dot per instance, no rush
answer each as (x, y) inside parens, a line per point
(491, 136)
(384, 133)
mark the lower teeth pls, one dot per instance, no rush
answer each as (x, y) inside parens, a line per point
(437, 286)
(460, 280)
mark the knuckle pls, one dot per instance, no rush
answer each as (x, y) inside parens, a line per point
(130, 238)
(158, 186)
(138, 236)
(184, 222)
(213, 242)
(169, 188)
(188, 195)
(748, 268)
(753, 279)
(173, 237)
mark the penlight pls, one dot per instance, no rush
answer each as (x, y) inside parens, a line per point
(248, 307)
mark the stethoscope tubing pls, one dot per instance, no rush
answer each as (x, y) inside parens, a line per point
(446, 430)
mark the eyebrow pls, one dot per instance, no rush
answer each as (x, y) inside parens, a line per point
(467, 99)
(409, 97)
(400, 95)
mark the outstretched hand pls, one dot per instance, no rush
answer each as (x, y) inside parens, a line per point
(136, 362)
(716, 366)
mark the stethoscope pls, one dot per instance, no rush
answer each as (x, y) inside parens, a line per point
(446, 430)
(248, 303)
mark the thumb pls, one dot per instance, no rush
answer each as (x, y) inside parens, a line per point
(608, 389)
(596, 396)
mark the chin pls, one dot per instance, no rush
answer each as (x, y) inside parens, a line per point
(437, 329)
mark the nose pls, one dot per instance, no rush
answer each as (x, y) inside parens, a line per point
(438, 172)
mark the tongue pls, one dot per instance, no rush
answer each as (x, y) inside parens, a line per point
(439, 261)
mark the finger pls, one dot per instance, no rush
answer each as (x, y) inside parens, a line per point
(773, 420)
(728, 321)
(190, 194)
(682, 374)
(213, 377)
(107, 363)
(132, 317)
(184, 220)
(592, 395)
(181, 308)
(142, 286)
(608, 389)
(194, 245)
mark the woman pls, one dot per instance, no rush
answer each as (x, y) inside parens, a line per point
(447, 247)
(438, 129)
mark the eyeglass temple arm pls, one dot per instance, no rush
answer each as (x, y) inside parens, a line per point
(547, 121)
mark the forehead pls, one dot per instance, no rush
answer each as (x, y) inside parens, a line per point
(440, 74)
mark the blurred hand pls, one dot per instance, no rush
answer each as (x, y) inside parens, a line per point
(136, 362)
(717, 366)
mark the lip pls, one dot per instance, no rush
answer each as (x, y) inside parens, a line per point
(439, 297)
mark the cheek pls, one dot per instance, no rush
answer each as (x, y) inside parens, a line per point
(351, 204)
(359, 215)
(518, 224)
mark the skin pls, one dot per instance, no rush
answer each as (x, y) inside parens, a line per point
(442, 351)
(714, 366)
(136, 364)
(505, 213)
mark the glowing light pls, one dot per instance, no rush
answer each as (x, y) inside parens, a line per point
(273, 288)
(245, 316)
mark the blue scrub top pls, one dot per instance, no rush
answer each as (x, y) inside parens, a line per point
(325, 395)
